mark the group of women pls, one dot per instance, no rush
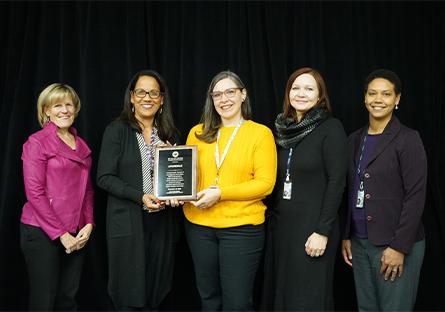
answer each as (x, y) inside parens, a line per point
(302, 169)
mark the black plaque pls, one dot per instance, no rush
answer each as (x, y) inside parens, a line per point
(175, 172)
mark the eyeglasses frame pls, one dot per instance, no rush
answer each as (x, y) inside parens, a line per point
(148, 92)
(225, 93)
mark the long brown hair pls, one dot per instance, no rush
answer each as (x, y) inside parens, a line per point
(210, 118)
(323, 101)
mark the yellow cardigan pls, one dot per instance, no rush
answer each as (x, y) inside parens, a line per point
(246, 176)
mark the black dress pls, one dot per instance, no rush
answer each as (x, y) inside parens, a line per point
(292, 279)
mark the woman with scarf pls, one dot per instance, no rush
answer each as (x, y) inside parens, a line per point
(303, 229)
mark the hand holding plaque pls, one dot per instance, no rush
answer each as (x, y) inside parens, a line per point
(175, 172)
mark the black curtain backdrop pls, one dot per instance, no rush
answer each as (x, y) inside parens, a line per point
(97, 46)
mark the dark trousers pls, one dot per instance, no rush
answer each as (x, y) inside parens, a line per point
(54, 276)
(226, 262)
(373, 292)
(159, 246)
(133, 309)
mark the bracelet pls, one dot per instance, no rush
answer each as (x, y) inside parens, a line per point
(145, 208)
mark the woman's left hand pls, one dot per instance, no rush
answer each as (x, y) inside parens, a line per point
(174, 202)
(392, 263)
(83, 235)
(316, 245)
(207, 197)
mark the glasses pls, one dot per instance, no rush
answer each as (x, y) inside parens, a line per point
(230, 93)
(153, 94)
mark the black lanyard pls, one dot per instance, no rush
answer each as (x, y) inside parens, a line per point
(360, 162)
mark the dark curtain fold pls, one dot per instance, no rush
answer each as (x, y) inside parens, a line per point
(97, 46)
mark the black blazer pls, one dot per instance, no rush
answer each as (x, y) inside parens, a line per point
(395, 186)
(119, 173)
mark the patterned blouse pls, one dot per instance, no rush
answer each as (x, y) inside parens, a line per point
(148, 156)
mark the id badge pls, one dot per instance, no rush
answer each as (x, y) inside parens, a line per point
(287, 190)
(360, 198)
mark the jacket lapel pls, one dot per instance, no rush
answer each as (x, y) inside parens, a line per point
(357, 145)
(388, 135)
(81, 153)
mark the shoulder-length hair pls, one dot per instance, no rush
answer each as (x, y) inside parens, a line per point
(53, 93)
(323, 101)
(210, 118)
(163, 120)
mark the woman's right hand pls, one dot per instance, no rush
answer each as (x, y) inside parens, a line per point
(69, 242)
(346, 251)
(151, 202)
(84, 235)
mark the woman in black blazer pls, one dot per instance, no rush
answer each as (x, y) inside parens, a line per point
(141, 230)
(384, 237)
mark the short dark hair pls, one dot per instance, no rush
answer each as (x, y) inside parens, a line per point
(163, 120)
(385, 74)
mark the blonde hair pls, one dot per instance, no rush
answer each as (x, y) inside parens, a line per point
(50, 95)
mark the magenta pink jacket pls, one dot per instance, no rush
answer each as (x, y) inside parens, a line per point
(57, 183)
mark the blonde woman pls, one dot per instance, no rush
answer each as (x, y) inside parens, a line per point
(57, 218)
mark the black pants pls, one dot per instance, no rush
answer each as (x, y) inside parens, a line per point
(54, 276)
(226, 262)
(159, 246)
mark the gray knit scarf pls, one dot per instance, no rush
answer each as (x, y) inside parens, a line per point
(289, 132)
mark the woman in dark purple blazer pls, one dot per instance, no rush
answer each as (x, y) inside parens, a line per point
(384, 239)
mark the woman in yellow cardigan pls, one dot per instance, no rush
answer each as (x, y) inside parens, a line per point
(236, 170)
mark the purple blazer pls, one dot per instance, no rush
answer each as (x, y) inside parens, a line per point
(57, 183)
(394, 184)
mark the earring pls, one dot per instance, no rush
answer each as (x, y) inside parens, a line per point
(160, 110)
(397, 106)
(132, 108)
